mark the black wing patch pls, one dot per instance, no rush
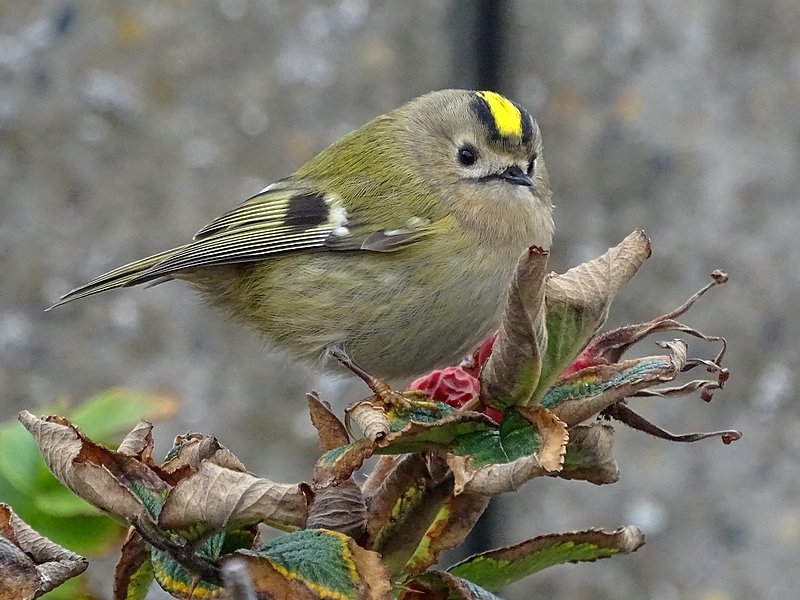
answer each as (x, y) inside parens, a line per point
(307, 210)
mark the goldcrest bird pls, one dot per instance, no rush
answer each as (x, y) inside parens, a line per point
(393, 247)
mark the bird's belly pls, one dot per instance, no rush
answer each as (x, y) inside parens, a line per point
(403, 321)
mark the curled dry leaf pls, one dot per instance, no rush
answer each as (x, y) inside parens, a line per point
(610, 346)
(577, 303)
(202, 485)
(623, 414)
(30, 564)
(707, 387)
(512, 370)
(370, 419)
(339, 464)
(220, 498)
(191, 450)
(581, 395)
(590, 454)
(339, 508)
(98, 475)
(139, 442)
(553, 434)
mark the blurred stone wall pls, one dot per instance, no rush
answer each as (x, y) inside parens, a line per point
(125, 127)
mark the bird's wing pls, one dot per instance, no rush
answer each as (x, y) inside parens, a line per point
(285, 217)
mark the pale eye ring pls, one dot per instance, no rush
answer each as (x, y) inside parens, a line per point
(467, 156)
(532, 163)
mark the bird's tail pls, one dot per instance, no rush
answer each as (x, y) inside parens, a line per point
(131, 274)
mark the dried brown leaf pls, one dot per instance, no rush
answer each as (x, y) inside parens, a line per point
(553, 433)
(578, 301)
(491, 480)
(31, 564)
(610, 346)
(332, 432)
(370, 418)
(512, 370)
(94, 473)
(340, 508)
(346, 463)
(222, 498)
(139, 442)
(135, 553)
(590, 454)
(451, 527)
(623, 414)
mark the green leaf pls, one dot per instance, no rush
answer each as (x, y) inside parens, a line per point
(320, 558)
(498, 568)
(20, 461)
(326, 564)
(585, 393)
(62, 503)
(179, 581)
(175, 579)
(514, 438)
(138, 584)
(592, 381)
(400, 417)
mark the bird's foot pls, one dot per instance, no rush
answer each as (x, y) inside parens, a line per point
(385, 396)
(402, 402)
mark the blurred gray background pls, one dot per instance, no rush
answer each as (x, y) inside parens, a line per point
(125, 127)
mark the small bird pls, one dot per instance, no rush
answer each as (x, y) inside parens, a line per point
(392, 249)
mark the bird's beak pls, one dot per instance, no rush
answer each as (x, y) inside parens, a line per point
(514, 174)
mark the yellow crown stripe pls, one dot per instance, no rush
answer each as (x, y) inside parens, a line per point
(506, 116)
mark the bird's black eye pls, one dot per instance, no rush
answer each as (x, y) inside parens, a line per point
(467, 156)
